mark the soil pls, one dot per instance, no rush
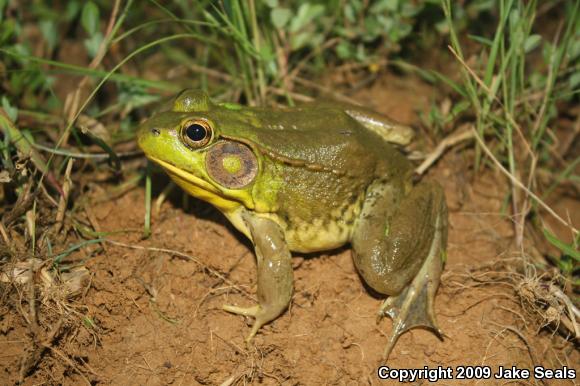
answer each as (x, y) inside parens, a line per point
(157, 319)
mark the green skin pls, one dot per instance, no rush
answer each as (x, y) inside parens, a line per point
(318, 176)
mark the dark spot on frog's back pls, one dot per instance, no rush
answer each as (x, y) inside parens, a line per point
(285, 217)
(352, 198)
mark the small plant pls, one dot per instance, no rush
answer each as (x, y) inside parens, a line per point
(515, 103)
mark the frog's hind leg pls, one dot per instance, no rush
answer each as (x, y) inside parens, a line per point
(399, 246)
(413, 307)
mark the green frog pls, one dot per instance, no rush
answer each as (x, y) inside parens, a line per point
(308, 179)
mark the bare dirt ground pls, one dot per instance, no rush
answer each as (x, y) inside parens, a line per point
(157, 318)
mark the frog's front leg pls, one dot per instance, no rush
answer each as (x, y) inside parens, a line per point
(275, 280)
(399, 245)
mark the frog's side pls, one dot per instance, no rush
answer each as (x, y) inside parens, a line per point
(309, 179)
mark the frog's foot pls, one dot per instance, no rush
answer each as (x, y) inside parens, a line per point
(413, 307)
(263, 315)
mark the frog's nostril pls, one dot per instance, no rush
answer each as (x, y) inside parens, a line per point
(155, 132)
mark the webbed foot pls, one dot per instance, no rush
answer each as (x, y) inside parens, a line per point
(413, 307)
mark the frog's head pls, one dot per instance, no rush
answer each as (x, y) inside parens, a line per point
(196, 142)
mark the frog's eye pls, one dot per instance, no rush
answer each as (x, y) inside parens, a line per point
(196, 133)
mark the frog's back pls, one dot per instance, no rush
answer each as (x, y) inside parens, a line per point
(326, 161)
(325, 138)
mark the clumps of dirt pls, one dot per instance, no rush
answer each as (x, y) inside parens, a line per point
(38, 309)
(546, 303)
(541, 298)
(537, 303)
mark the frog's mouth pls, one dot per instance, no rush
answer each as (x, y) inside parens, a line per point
(174, 171)
(196, 186)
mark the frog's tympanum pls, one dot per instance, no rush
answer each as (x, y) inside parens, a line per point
(308, 179)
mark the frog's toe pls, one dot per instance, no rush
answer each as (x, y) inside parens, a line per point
(262, 314)
(246, 311)
(413, 307)
(258, 323)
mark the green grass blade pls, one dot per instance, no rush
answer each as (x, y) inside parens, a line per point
(566, 249)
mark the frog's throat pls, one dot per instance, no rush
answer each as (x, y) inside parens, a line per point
(199, 188)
